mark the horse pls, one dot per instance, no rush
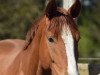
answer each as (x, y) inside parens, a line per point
(50, 48)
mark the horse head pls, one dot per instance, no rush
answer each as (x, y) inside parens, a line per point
(59, 37)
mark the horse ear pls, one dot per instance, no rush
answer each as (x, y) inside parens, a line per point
(74, 10)
(51, 8)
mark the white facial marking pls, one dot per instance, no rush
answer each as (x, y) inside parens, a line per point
(69, 44)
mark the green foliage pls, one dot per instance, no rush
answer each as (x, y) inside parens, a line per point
(16, 16)
(89, 23)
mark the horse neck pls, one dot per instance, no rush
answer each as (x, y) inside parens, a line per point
(32, 51)
(30, 58)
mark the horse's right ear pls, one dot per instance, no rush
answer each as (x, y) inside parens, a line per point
(51, 8)
(74, 10)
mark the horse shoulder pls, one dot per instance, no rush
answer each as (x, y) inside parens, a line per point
(9, 45)
(9, 50)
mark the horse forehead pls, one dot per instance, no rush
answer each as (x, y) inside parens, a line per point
(66, 32)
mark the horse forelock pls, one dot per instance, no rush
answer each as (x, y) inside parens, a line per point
(57, 23)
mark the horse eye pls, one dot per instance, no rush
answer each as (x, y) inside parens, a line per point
(51, 39)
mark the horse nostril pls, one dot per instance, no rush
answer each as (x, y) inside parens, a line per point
(53, 61)
(51, 39)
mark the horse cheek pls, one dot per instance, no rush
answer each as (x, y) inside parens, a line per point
(44, 53)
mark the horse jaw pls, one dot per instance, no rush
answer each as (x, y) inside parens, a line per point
(69, 44)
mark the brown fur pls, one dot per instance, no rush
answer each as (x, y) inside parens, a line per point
(43, 52)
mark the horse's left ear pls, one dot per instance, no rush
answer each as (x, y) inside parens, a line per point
(51, 8)
(74, 10)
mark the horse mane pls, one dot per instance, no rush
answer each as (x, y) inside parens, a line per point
(32, 31)
(56, 25)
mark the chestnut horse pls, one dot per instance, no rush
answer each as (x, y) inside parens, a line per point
(50, 47)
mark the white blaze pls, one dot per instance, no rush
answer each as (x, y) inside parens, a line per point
(69, 44)
(68, 3)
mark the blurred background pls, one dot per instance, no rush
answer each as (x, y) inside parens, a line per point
(17, 16)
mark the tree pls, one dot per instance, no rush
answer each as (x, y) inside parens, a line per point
(90, 33)
(16, 16)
